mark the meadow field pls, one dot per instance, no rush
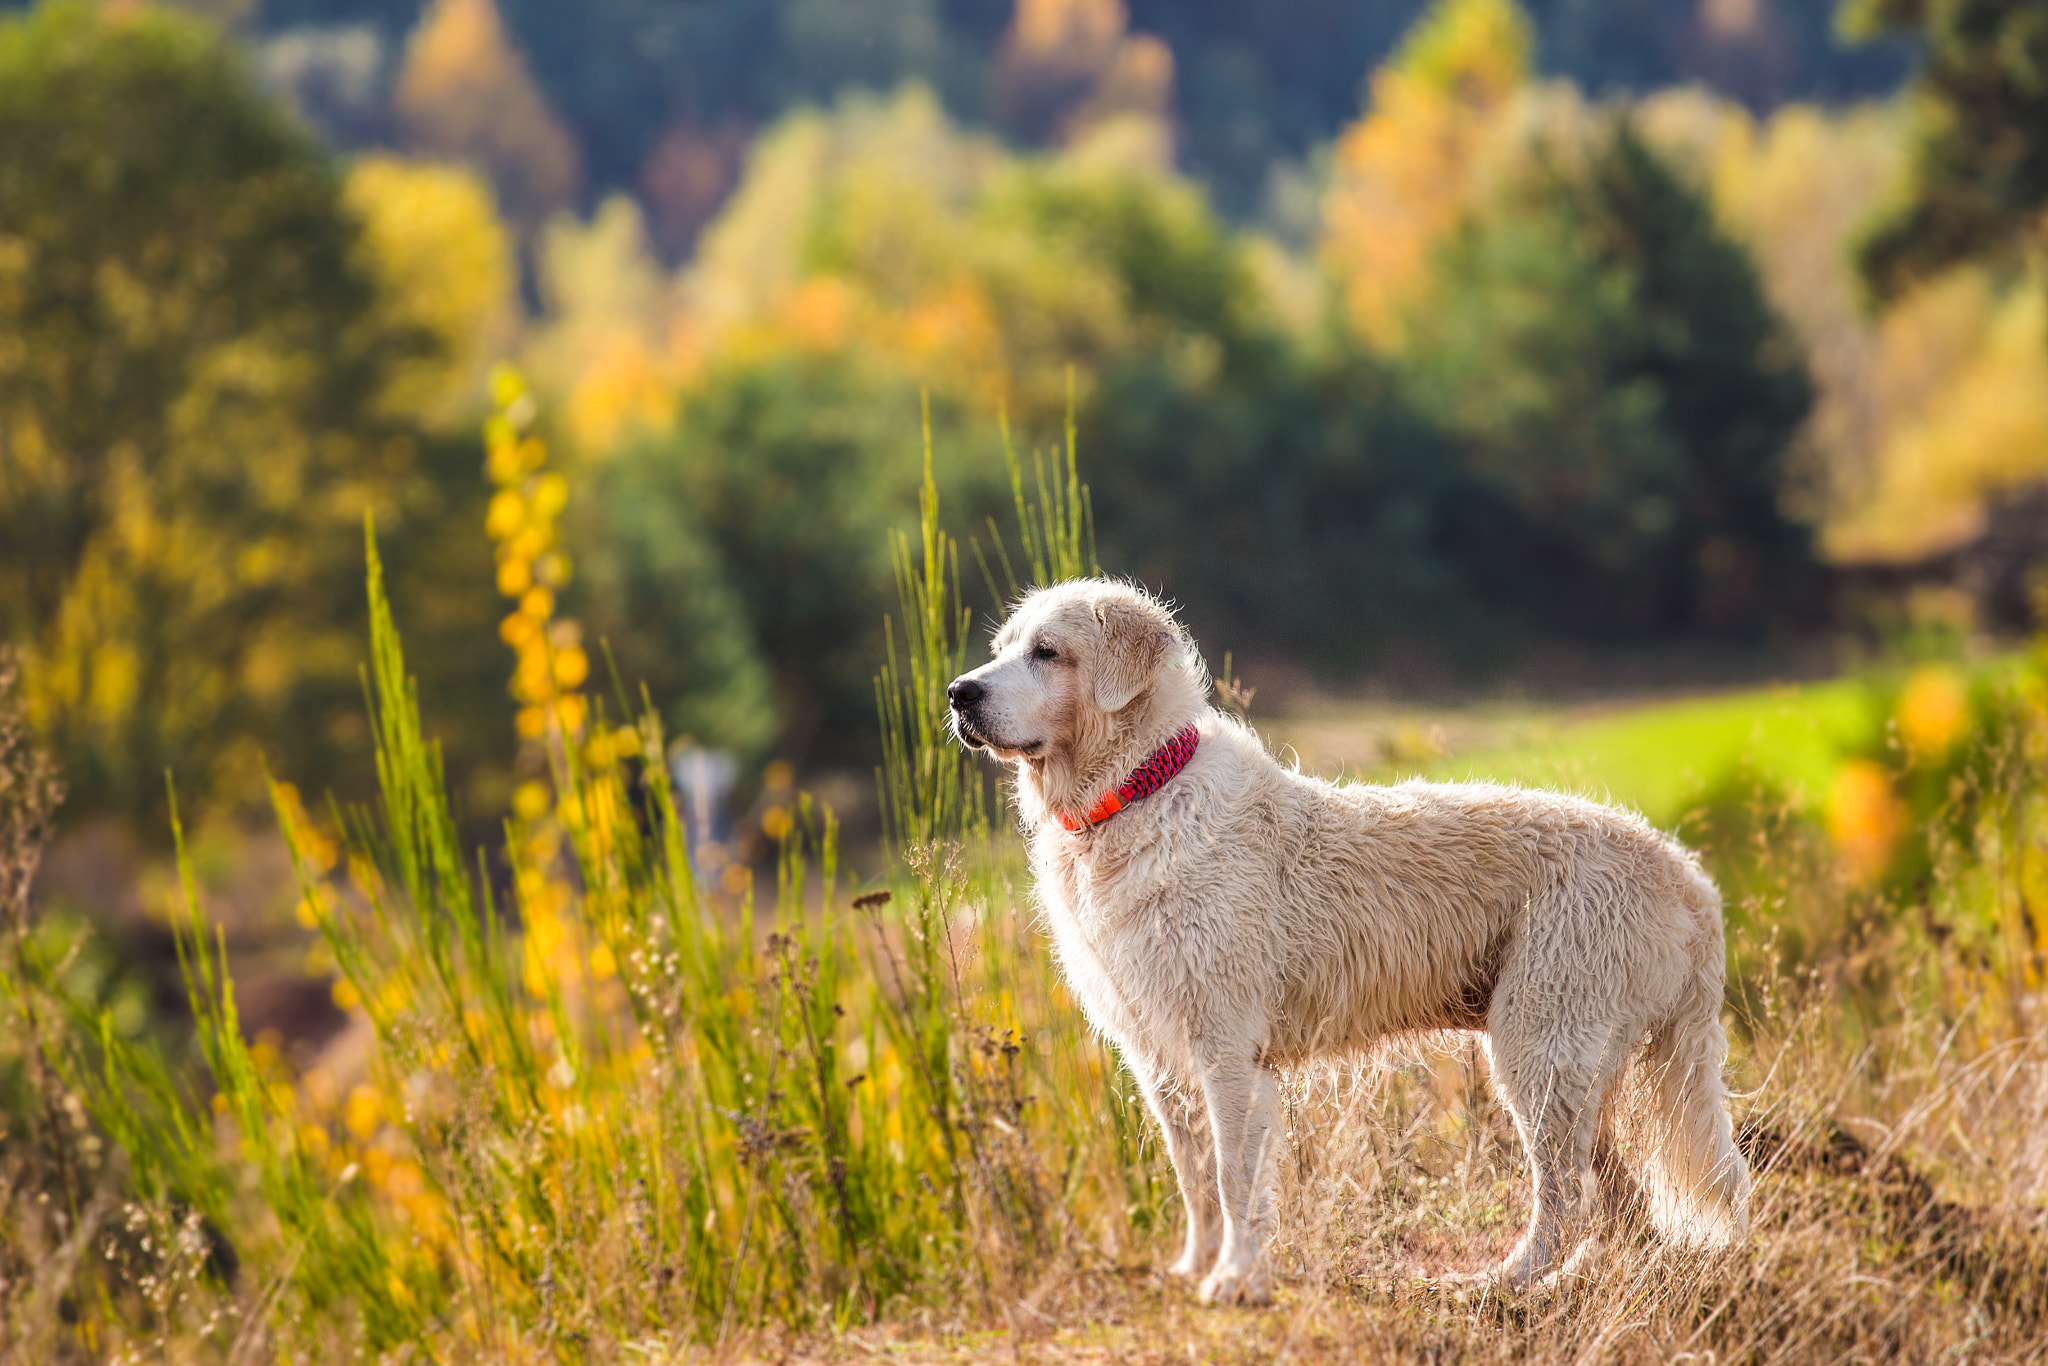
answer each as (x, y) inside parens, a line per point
(605, 1107)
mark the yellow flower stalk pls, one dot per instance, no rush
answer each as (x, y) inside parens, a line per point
(549, 667)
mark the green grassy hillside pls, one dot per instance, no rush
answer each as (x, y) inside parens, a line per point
(1658, 756)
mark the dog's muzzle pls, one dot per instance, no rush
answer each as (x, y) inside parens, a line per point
(965, 694)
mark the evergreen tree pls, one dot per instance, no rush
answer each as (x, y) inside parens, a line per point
(739, 564)
(1980, 162)
(1626, 398)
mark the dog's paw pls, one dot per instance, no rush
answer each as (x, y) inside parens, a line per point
(1514, 1281)
(1464, 1287)
(1510, 1280)
(1532, 1267)
(1584, 1262)
(1237, 1285)
(1195, 1260)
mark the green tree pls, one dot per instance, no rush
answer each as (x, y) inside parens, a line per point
(1625, 395)
(1271, 488)
(664, 605)
(194, 377)
(1980, 149)
(739, 564)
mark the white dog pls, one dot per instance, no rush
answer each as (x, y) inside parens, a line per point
(1219, 916)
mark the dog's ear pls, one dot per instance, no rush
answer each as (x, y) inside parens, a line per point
(1135, 639)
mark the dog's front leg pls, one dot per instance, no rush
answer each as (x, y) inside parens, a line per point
(1183, 1119)
(1243, 1098)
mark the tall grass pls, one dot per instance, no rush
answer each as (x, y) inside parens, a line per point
(606, 1104)
(1056, 529)
(605, 1111)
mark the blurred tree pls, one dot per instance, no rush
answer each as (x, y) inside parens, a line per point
(1273, 489)
(443, 268)
(1259, 89)
(1258, 85)
(666, 610)
(466, 95)
(832, 46)
(623, 71)
(1761, 53)
(739, 565)
(877, 249)
(1795, 188)
(196, 411)
(1924, 411)
(866, 223)
(1964, 364)
(334, 78)
(1596, 411)
(685, 179)
(603, 342)
(1067, 64)
(1627, 396)
(1980, 156)
(1411, 167)
(391, 18)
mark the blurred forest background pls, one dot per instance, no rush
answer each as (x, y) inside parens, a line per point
(1405, 347)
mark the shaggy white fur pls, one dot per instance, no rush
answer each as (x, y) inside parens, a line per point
(1245, 917)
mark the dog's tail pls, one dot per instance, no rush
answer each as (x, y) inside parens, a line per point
(1682, 1141)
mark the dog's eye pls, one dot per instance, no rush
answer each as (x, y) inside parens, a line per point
(1045, 652)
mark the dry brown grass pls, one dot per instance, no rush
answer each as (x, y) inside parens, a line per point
(1897, 1218)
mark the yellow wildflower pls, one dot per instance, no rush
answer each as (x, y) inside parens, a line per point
(572, 666)
(364, 1112)
(1933, 711)
(507, 513)
(1865, 818)
(530, 800)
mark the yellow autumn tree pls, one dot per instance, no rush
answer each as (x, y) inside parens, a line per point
(465, 94)
(1924, 411)
(193, 415)
(857, 227)
(443, 264)
(1406, 171)
(1980, 430)
(607, 346)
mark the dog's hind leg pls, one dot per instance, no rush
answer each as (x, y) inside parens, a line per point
(1622, 1198)
(1184, 1121)
(1554, 1092)
(1243, 1098)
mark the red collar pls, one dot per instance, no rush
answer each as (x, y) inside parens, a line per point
(1169, 759)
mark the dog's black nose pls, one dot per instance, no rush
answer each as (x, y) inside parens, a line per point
(965, 692)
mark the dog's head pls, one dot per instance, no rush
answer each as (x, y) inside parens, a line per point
(1074, 667)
